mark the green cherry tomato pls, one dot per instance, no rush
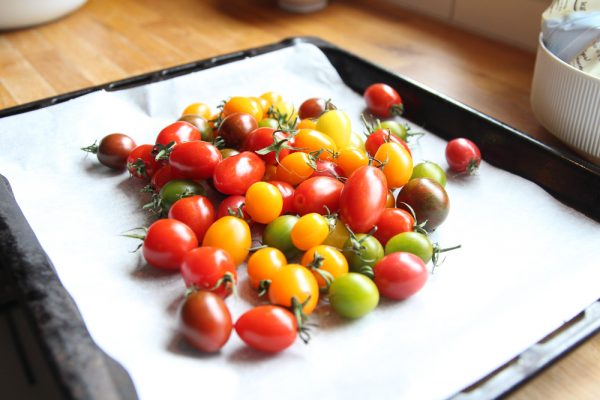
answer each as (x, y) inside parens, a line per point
(278, 234)
(353, 295)
(268, 123)
(362, 250)
(411, 242)
(177, 189)
(431, 170)
(396, 128)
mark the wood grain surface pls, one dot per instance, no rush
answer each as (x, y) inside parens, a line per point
(107, 40)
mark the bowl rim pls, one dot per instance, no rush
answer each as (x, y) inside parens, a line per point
(554, 58)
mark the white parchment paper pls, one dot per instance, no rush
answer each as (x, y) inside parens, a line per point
(527, 264)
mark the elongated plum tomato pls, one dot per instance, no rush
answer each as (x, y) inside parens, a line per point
(397, 164)
(113, 150)
(235, 174)
(166, 243)
(231, 234)
(363, 199)
(383, 100)
(337, 125)
(195, 159)
(400, 275)
(320, 194)
(205, 321)
(178, 132)
(264, 264)
(209, 268)
(267, 328)
(263, 202)
(294, 281)
(197, 212)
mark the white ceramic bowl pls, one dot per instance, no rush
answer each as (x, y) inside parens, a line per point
(566, 101)
(22, 13)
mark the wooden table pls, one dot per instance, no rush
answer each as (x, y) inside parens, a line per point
(108, 40)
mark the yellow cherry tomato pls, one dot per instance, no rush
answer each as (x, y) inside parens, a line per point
(327, 259)
(397, 164)
(271, 98)
(285, 113)
(338, 235)
(336, 124)
(200, 109)
(264, 104)
(310, 230)
(245, 105)
(263, 202)
(231, 234)
(294, 281)
(311, 141)
(294, 168)
(350, 159)
(264, 264)
(307, 123)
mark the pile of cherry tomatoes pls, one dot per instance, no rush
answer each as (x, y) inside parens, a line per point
(316, 212)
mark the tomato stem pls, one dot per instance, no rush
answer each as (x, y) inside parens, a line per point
(301, 319)
(435, 258)
(263, 287)
(93, 148)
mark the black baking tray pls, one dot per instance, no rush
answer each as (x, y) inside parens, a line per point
(80, 369)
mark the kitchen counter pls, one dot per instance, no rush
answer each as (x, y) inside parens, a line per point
(108, 40)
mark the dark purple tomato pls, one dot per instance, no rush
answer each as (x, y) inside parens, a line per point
(428, 199)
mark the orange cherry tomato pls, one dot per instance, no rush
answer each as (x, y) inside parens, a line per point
(390, 200)
(350, 159)
(293, 281)
(310, 230)
(328, 259)
(231, 234)
(397, 164)
(294, 168)
(244, 105)
(307, 123)
(264, 264)
(200, 109)
(264, 202)
(310, 140)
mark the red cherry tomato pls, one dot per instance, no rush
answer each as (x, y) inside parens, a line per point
(383, 100)
(392, 222)
(164, 175)
(231, 206)
(379, 137)
(166, 243)
(400, 275)
(235, 174)
(209, 268)
(178, 132)
(141, 163)
(205, 321)
(363, 199)
(327, 168)
(267, 328)
(195, 159)
(463, 155)
(318, 195)
(197, 212)
(262, 139)
(287, 192)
